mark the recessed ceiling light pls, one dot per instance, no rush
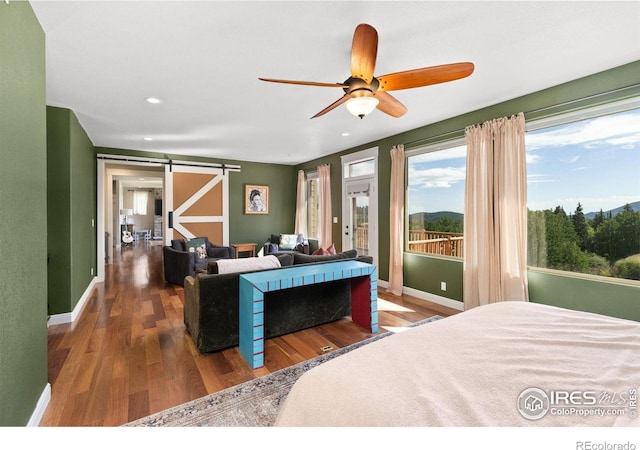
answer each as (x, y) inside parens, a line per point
(345, 134)
(148, 139)
(153, 100)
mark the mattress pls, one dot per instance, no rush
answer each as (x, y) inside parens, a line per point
(503, 364)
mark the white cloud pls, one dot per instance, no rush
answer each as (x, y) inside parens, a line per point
(440, 155)
(443, 177)
(619, 130)
(531, 158)
(540, 178)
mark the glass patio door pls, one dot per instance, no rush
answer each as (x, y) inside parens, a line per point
(360, 202)
(357, 224)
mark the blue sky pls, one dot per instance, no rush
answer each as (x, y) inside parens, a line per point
(595, 162)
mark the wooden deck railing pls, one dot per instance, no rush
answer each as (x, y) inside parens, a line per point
(362, 239)
(436, 243)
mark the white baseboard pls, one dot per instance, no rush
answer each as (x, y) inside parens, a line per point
(444, 301)
(59, 319)
(41, 407)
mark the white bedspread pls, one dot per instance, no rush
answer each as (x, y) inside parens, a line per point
(470, 369)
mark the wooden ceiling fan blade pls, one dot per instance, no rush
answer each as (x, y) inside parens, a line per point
(389, 104)
(334, 105)
(426, 76)
(304, 83)
(364, 50)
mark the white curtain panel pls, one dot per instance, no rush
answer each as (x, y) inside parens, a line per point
(495, 213)
(324, 199)
(140, 199)
(396, 220)
(301, 206)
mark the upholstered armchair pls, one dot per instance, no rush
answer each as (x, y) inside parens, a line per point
(286, 243)
(183, 258)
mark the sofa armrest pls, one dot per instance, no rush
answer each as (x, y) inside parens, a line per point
(268, 247)
(177, 265)
(191, 308)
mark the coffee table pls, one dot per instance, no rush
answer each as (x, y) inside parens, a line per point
(364, 298)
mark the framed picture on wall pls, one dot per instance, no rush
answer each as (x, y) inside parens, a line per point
(256, 199)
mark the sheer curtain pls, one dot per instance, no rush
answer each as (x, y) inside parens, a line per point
(396, 220)
(301, 206)
(495, 213)
(324, 200)
(140, 199)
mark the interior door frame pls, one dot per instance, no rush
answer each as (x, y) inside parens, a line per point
(372, 179)
(104, 192)
(106, 170)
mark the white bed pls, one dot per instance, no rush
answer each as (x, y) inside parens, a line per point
(471, 368)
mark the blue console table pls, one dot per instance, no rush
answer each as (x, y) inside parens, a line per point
(364, 298)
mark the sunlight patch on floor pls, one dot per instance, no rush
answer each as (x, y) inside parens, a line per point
(396, 329)
(384, 305)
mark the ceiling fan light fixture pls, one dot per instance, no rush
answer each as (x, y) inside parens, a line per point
(362, 106)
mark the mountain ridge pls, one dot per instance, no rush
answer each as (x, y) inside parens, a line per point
(436, 216)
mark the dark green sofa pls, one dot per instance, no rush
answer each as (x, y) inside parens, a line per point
(211, 309)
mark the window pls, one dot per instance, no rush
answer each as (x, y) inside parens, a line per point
(140, 199)
(583, 174)
(359, 168)
(584, 195)
(312, 205)
(435, 200)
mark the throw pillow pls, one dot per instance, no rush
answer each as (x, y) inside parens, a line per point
(320, 251)
(178, 244)
(197, 246)
(286, 259)
(332, 249)
(288, 241)
(275, 239)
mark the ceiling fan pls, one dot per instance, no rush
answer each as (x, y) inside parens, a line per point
(365, 92)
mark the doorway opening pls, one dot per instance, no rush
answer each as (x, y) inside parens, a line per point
(360, 202)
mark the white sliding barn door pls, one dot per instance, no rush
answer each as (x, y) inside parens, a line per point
(197, 203)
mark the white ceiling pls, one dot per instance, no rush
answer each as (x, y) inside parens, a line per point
(203, 59)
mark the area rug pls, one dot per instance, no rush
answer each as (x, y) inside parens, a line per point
(255, 403)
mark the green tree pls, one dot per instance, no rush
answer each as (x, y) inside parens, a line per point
(581, 227)
(563, 252)
(598, 220)
(618, 237)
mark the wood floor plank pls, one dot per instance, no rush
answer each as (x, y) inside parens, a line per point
(128, 354)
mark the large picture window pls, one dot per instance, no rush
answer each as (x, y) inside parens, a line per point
(584, 196)
(583, 188)
(435, 200)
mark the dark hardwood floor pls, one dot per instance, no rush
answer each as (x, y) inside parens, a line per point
(128, 354)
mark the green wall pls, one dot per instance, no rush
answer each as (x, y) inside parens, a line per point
(23, 214)
(601, 297)
(425, 273)
(281, 179)
(71, 199)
